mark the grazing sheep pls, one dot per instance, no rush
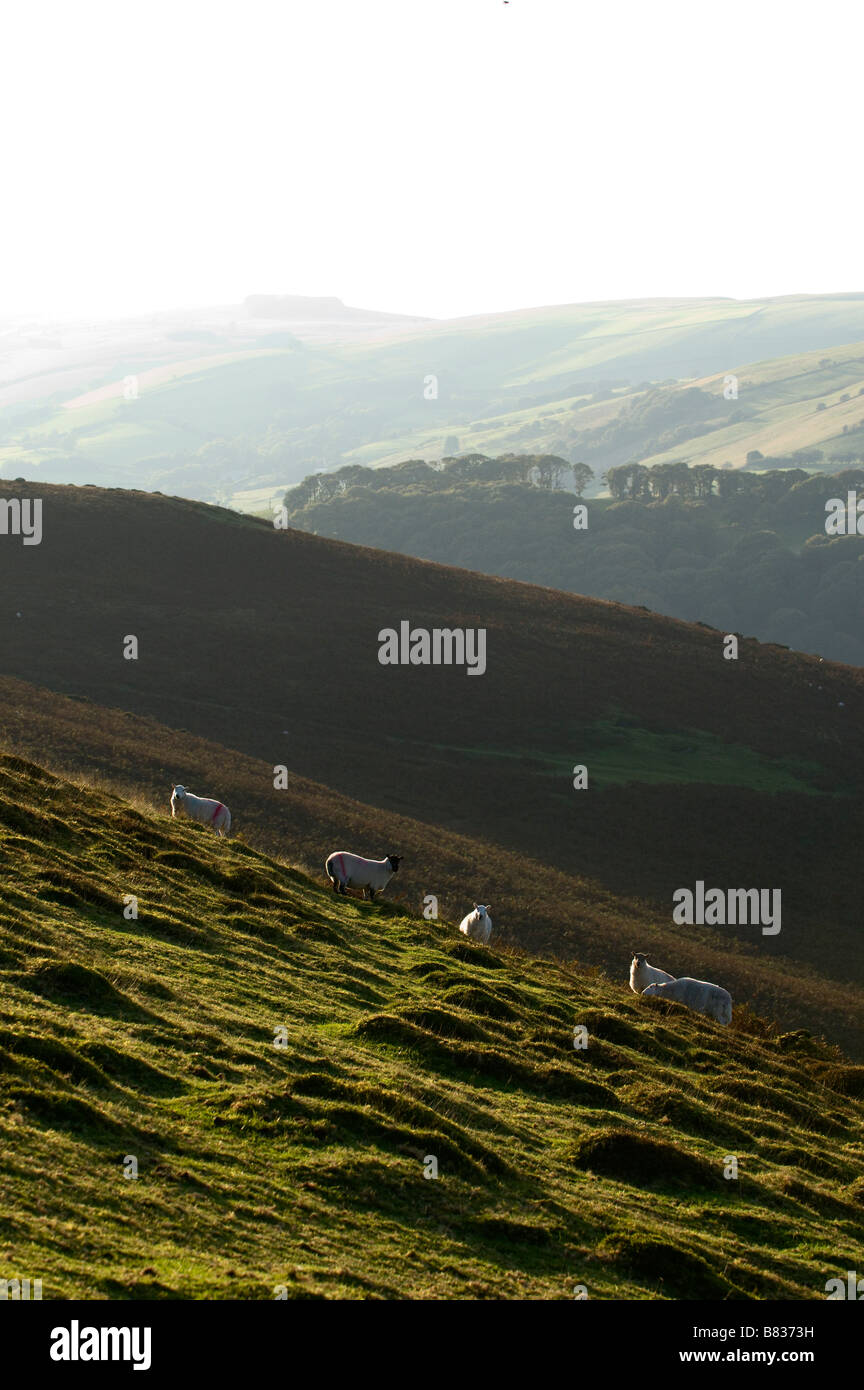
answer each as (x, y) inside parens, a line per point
(478, 924)
(200, 808)
(696, 994)
(351, 871)
(642, 974)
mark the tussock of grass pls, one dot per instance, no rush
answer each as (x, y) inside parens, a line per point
(846, 1080)
(638, 1158)
(679, 1272)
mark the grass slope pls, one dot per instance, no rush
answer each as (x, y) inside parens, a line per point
(302, 1165)
(536, 905)
(804, 401)
(265, 643)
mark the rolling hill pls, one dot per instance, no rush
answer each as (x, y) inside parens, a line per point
(265, 644)
(229, 404)
(239, 1093)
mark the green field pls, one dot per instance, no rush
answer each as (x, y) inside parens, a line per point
(620, 754)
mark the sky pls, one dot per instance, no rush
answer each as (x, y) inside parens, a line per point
(445, 158)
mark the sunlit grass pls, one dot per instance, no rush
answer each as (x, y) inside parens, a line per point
(303, 1165)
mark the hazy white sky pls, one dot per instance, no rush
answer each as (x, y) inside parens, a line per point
(444, 158)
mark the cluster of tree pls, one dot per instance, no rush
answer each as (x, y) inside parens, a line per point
(749, 553)
(640, 484)
(417, 477)
(699, 481)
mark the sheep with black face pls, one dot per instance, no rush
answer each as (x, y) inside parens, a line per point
(346, 871)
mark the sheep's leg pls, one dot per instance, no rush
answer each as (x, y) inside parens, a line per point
(371, 892)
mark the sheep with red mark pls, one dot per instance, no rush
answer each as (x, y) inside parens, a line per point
(346, 871)
(200, 808)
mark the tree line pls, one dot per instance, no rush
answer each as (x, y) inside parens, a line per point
(546, 471)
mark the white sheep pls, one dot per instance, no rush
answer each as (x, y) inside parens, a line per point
(705, 998)
(478, 924)
(352, 871)
(200, 808)
(642, 974)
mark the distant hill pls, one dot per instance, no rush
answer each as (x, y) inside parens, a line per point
(737, 773)
(310, 312)
(742, 550)
(233, 404)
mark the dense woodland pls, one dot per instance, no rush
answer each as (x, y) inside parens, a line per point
(741, 550)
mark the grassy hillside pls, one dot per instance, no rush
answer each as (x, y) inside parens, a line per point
(234, 410)
(742, 773)
(785, 405)
(803, 402)
(302, 1165)
(536, 905)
